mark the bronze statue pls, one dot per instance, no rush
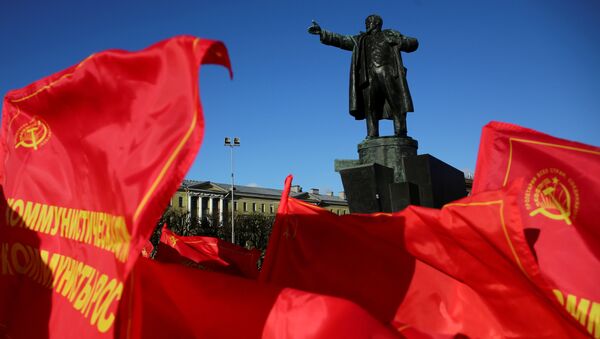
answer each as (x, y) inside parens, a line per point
(378, 87)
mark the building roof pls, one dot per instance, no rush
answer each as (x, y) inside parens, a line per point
(261, 192)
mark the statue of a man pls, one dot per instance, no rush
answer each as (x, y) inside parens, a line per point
(378, 87)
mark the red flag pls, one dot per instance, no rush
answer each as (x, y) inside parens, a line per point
(174, 301)
(559, 207)
(207, 253)
(356, 257)
(480, 242)
(445, 272)
(147, 249)
(90, 157)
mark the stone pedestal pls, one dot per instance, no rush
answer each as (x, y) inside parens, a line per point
(385, 151)
(389, 175)
(367, 188)
(389, 152)
(439, 183)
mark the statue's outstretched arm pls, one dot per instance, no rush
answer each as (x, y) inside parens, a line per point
(346, 42)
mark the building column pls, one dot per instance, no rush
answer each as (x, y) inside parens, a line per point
(220, 211)
(210, 207)
(189, 203)
(200, 208)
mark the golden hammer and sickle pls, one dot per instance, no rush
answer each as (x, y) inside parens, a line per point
(33, 140)
(563, 212)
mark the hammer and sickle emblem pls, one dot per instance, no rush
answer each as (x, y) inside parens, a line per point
(172, 240)
(551, 206)
(32, 135)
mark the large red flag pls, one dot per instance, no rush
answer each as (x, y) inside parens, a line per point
(173, 301)
(90, 157)
(357, 257)
(559, 208)
(462, 270)
(480, 242)
(207, 253)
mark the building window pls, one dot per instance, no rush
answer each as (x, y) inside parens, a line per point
(271, 209)
(253, 207)
(245, 207)
(262, 208)
(235, 206)
(180, 202)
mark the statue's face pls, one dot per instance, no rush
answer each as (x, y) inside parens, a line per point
(372, 24)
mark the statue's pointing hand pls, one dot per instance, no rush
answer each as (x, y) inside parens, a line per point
(315, 28)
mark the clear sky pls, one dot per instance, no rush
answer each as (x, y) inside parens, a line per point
(530, 62)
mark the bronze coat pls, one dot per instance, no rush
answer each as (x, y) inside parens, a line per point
(399, 43)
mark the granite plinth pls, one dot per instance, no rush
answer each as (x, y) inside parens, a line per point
(389, 152)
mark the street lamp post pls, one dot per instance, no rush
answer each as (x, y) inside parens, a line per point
(235, 143)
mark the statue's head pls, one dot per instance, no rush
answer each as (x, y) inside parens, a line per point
(373, 23)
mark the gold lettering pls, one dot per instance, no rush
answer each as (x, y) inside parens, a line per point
(17, 212)
(578, 311)
(9, 203)
(44, 219)
(593, 324)
(84, 296)
(559, 296)
(6, 269)
(31, 214)
(53, 266)
(65, 221)
(87, 290)
(85, 272)
(105, 322)
(72, 279)
(73, 225)
(103, 296)
(45, 277)
(98, 288)
(58, 212)
(84, 226)
(102, 230)
(19, 267)
(62, 273)
(124, 239)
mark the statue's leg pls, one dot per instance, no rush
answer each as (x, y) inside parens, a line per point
(372, 123)
(400, 124)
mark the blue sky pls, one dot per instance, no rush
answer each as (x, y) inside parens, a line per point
(534, 62)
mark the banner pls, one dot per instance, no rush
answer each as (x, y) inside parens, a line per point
(466, 269)
(207, 253)
(559, 208)
(90, 157)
